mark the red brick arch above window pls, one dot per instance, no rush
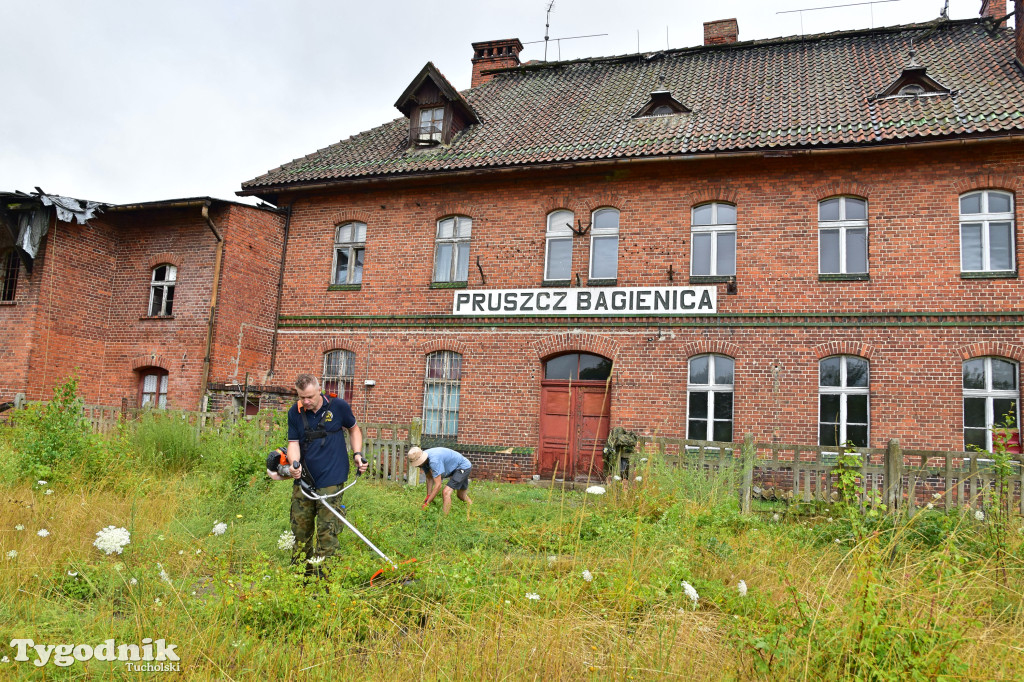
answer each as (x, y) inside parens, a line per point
(1001, 181)
(450, 207)
(992, 349)
(705, 347)
(840, 188)
(348, 216)
(602, 200)
(576, 342)
(333, 343)
(858, 348)
(151, 360)
(564, 203)
(714, 193)
(164, 258)
(435, 345)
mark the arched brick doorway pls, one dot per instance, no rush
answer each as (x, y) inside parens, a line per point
(574, 413)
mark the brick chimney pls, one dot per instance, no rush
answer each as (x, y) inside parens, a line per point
(494, 54)
(721, 31)
(1018, 29)
(993, 9)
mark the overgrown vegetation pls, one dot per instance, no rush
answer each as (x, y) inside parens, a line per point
(534, 583)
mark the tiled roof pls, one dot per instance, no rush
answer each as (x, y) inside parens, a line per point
(790, 93)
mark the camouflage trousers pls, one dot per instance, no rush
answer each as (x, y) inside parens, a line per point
(312, 521)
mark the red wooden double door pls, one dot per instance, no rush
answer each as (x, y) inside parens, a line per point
(574, 414)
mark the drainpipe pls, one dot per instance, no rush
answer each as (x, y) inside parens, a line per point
(280, 290)
(213, 302)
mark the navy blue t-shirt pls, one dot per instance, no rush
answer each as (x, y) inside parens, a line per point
(325, 458)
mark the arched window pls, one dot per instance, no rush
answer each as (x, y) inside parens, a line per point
(441, 394)
(161, 290)
(604, 244)
(349, 246)
(986, 232)
(451, 256)
(339, 373)
(991, 399)
(842, 236)
(843, 401)
(558, 246)
(578, 367)
(153, 387)
(9, 263)
(709, 394)
(713, 228)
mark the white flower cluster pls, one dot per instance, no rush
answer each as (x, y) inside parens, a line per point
(588, 576)
(43, 532)
(12, 554)
(112, 539)
(315, 561)
(163, 574)
(691, 592)
(219, 528)
(287, 541)
(979, 515)
(742, 588)
(596, 490)
(532, 595)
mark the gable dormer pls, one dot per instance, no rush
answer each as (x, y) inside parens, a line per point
(436, 111)
(913, 82)
(662, 103)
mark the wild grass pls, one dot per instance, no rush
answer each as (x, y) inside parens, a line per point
(831, 596)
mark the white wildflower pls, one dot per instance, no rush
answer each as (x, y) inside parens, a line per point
(643, 459)
(160, 537)
(199, 551)
(287, 541)
(180, 552)
(19, 527)
(638, 479)
(133, 581)
(742, 588)
(929, 506)
(936, 496)
(979, 515)
(830, 519)
(552, 559)
(112, 539)
(588, 576)
(691, 592)
(219, 528)
(775, 517)
(532, 595)
(43, 532)
(838, 541)
(48, 492)
(157, 601)
(315, 561)
(40, 483)
(616, 478)
(5, 660)
(163, 575)
(12, 554)
(73, 574)
(596, 490)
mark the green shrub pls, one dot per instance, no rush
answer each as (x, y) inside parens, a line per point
(56, 435)
(165, 441)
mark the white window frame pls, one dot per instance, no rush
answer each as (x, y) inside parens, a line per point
(712, 389)
(462, 232)
(431, 124)
(990, 394)
(450, 383)
(345, 376)
(557, 230)
(356, 244)
(165, 286)
(715, 229)
(603, 234)
(843, 225)
(844, 392)
(986, 219)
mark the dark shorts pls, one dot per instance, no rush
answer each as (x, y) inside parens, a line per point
(459, 480)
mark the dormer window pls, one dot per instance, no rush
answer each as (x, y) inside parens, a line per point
(431, 126)
(912, 90)
(914, 81)
(661, 103)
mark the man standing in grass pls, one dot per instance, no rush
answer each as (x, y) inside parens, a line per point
(439, 463)
(316, 439)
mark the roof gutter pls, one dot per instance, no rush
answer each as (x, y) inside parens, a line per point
(695, 156)
(213, 301)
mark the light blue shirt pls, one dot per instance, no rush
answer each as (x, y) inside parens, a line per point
(444, 462)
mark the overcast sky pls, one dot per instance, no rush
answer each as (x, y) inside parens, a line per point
(137, 100)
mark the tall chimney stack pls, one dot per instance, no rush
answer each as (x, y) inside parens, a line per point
(721, 31)
(993, 9)
(494, 54)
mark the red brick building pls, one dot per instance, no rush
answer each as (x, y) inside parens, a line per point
(146, 303)
(814, 239)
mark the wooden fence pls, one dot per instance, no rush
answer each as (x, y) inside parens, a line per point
(896, 478)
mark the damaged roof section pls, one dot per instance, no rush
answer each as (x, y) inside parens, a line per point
(25, 219)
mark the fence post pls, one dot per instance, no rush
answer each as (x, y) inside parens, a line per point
(415, 432)
(893, 475)
(747, 482)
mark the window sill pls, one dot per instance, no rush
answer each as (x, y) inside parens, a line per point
(156, 317)
(448, 285)
(344, 287)
(995, 274)
(712, 279)
(556, 283)
(602, 282)
(843, 277)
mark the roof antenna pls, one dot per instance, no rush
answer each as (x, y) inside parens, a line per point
(944, 14)
(547, 25)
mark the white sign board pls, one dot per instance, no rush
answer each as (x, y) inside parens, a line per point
(589, 302)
